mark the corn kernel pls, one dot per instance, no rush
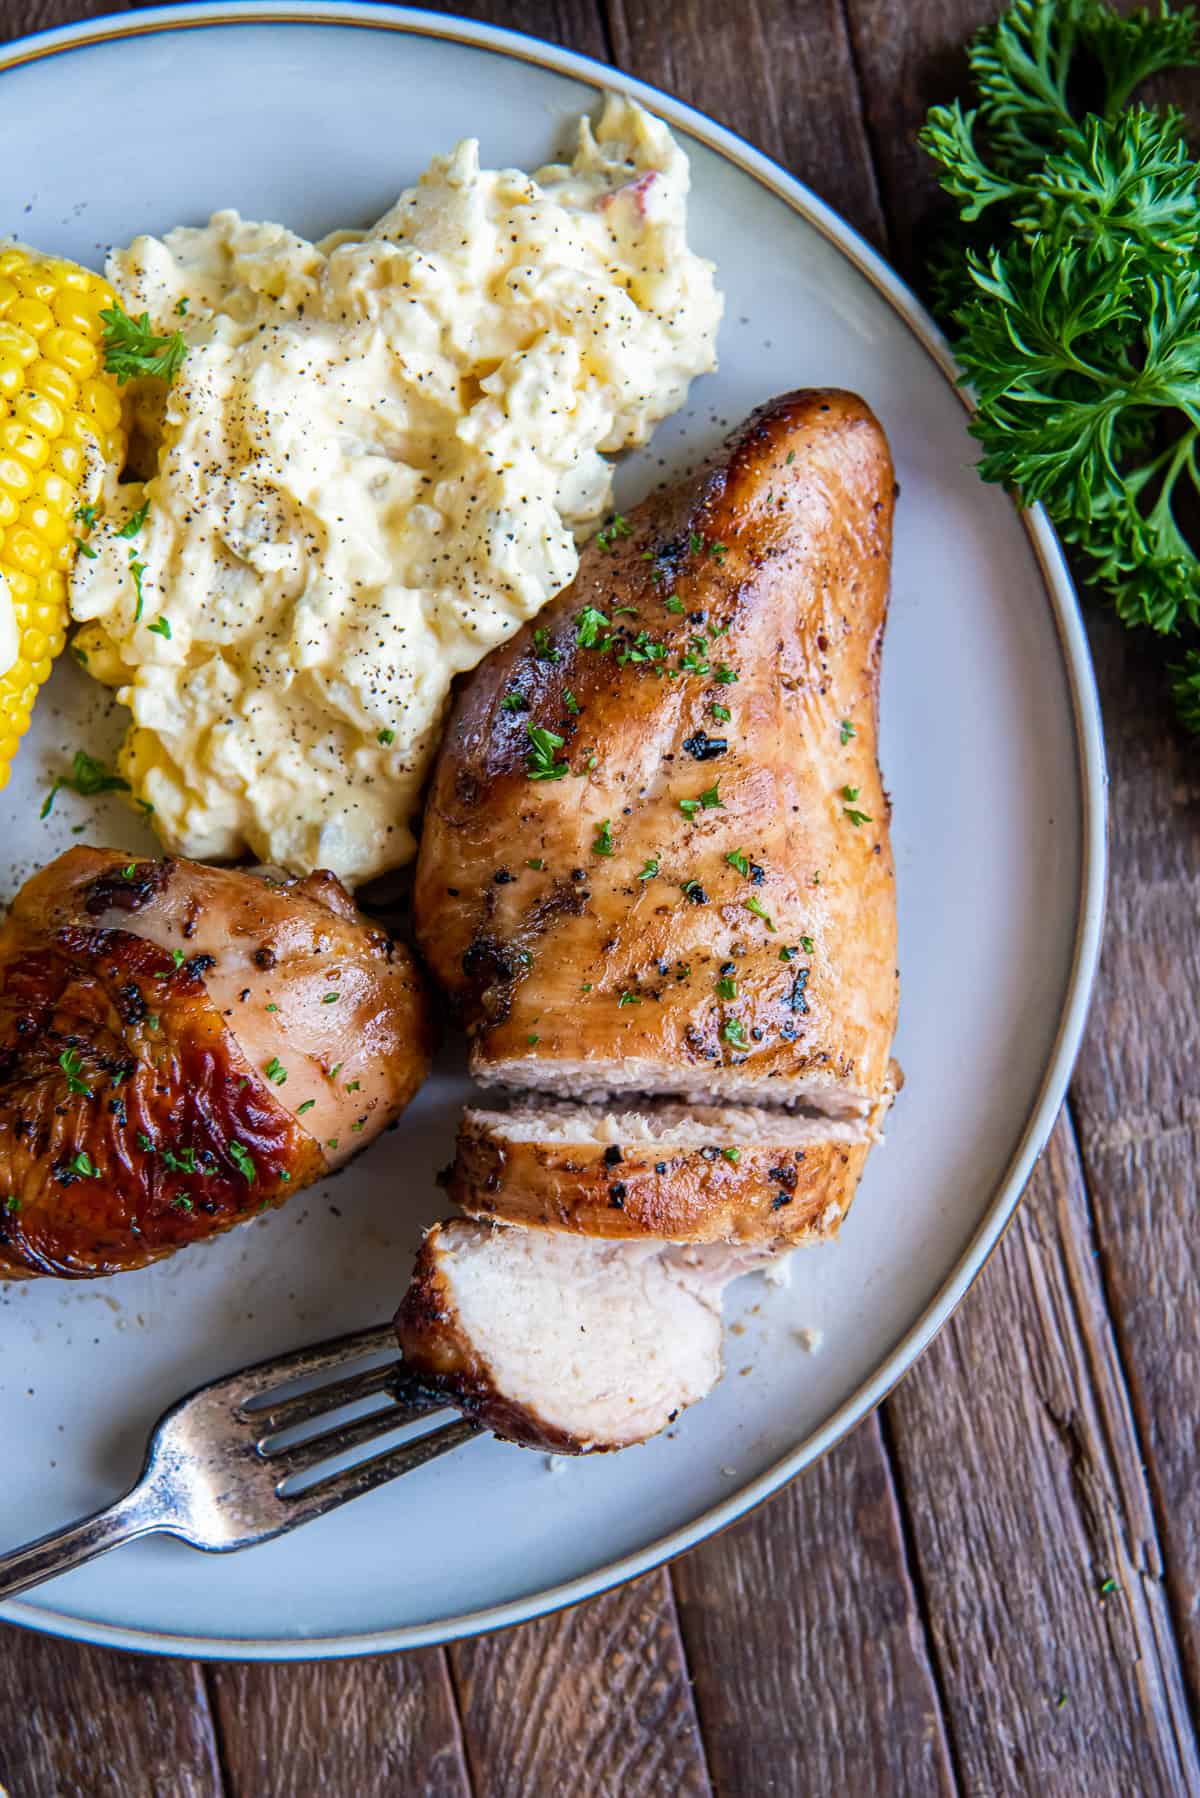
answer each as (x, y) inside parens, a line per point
(56, 402)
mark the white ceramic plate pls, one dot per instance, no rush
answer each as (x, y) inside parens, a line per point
(318, 115)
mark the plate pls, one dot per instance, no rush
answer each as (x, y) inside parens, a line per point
(317, 115)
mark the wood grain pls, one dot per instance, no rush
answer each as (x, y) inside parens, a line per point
(362, 1729)
(779, 72)
(1023, 1483)
(1137, 1095)
(80, 1722)
(807, 1650)
(593, 1702)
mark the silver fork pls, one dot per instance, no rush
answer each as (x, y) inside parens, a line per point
(215, 1476)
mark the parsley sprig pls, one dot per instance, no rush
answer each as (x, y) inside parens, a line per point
(1072, 286)
(131, 349)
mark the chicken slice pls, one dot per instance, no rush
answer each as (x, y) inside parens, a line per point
(656, 854)
(686, 1174)
(562, 1343)
(182, 1046)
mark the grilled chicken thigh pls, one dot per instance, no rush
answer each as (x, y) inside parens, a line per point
(656, 852)
(182, 1046)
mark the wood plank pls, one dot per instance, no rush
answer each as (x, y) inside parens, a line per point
(1023, 1485)
(777, 71)
(1136, 1096)
(576, 23)
(84, 1722)
(802, 1629)
(366, 1728)
(1134, 1093)
(593, 1702)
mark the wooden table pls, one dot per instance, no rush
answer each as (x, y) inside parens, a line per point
(994, 1585)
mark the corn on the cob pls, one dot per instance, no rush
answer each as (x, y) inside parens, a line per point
(55, 400)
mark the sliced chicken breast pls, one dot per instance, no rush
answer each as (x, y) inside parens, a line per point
(656, 854)
(685, 1174)
(182, 1047)
(557, 1342)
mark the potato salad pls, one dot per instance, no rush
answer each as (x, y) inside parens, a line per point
(371, 465)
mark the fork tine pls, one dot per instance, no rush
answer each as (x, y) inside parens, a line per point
(327, 1495)
(268, 1419)
(298, 1457)
(318, 1358)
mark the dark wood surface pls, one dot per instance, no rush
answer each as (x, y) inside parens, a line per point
(993, 1587)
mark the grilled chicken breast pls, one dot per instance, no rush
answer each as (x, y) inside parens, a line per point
(656, 852)
(657, 1169)
(182, 1046)
(561, 1343)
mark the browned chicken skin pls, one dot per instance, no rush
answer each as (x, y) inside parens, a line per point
(183, 1046)
(703, 903)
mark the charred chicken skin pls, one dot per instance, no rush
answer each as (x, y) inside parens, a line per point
(656, 853)
(182, 1047)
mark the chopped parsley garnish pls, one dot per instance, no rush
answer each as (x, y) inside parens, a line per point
(726, 988)
(724, 675)
(738, 860)
(709, 800)
(85, 549)
(330, 998)
(353, 1086)
(87, 777)
(692, 890)
(81, 1164)
(695, 542)
(533, 1039)
(787, 955)
(134, 522)
(539, 762)
(137, 570)
(616, 527)
(719, 551)
(572, 704)
(603, 844)
(71, 1063)
(791, 456)
(86, 516)
(536, 863)
(847, 731)
(181, 306)
(514, 702)
(181, 1202)
(650, 868)
(752, 905)
(12, 1203)
(628, 999)
(131, 349)
(733, 1155)
(642, 649)
(856, 817)
(807, 944)
(720, 712)
(734, 1031)
(386, 738)
(543, 649)
(694, 661)
(850, 792)
(588, 626)
(673, 603)
(275, 1071)
(307, 1106)
(161, 627)
(242, 1161)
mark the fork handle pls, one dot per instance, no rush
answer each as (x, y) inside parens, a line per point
(133, 1515)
